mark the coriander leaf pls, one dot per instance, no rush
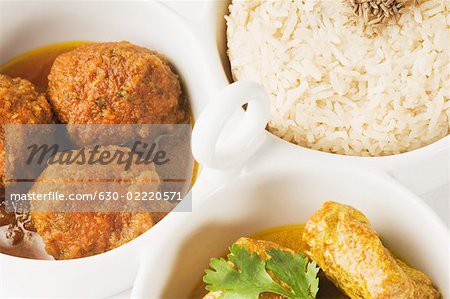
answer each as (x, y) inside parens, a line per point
(312, 279)
(295, 272)
(245, 276)
(247, 280)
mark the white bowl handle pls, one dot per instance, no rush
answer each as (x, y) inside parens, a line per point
(226, 136)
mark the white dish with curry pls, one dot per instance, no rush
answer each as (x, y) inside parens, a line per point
(378, 241)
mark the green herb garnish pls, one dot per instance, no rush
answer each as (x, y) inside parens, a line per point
(100, 102)
(247, 276)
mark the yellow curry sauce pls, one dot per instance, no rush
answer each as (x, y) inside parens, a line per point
(289, 236)
(35, 65)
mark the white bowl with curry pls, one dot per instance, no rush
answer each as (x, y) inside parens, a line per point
(328, 232)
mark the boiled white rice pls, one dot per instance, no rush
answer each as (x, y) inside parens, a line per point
(340, 88)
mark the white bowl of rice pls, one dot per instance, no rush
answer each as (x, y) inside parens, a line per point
(342, 89)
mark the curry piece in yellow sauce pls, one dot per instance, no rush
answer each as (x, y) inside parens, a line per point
(350, 252)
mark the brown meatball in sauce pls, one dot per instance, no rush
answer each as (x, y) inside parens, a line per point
(20, 103)
(75, 229)
(115, 83)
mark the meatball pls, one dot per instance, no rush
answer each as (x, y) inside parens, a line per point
(75, 229)
(20, 103)
(115, 83)
(6, 218)
(77, 235)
